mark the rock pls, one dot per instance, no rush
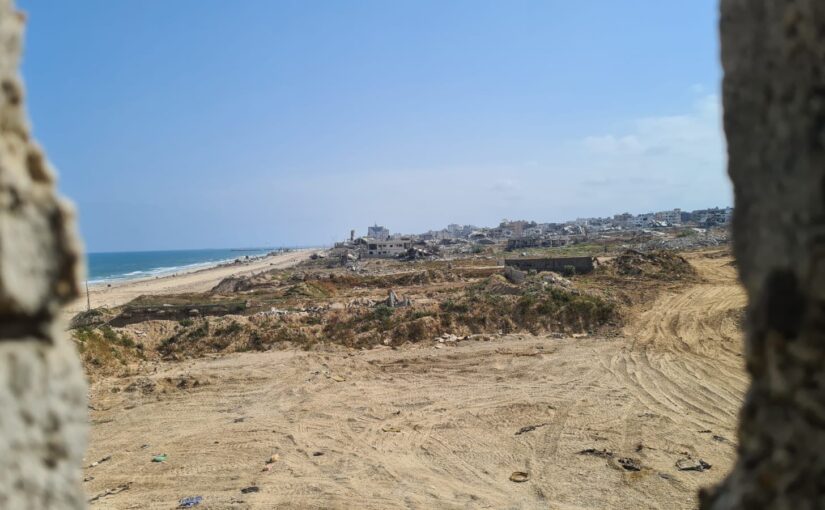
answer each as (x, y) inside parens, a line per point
(605, 454)
(529, 428)
(519, 477)
(630, 464)
(514, 276)
(689, 464)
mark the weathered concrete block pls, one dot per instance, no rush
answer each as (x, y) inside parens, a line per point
(42, 389)
(773, 54)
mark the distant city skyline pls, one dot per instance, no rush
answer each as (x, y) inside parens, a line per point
(206, 123)
(446, 226)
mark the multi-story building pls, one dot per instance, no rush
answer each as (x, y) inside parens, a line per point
(385, 247)
(673, 217)
(378, 232)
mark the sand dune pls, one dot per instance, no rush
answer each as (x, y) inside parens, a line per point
(439, 428)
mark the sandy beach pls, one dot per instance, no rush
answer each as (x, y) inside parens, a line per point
(195, 281)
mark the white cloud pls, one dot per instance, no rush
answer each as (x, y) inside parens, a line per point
(657, 161)
(612, 144)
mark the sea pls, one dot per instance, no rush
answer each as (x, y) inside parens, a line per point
(109, 267)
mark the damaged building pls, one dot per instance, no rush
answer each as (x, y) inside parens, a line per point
(385, 247)
(566, 265)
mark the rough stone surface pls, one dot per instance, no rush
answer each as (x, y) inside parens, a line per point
(773, 54)
(42, 390)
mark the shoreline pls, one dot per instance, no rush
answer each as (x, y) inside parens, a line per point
(200, 279)
(181, 270)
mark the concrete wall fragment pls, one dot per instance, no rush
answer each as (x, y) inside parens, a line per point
(42, 389)
(773, 54)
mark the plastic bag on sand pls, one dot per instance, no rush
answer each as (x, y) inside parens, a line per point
(190, 502)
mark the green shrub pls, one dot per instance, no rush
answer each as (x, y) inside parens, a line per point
(230, 328)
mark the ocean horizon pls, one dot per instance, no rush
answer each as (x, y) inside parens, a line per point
(107, 267)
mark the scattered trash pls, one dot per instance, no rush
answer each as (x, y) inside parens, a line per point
(389, 428)
(251, 488)
(317, 454)
(238, 420)
(719, 439)
(688, 464)
(144, 446)
(101, 461)
(630, 464)
(270, 462)
(88, 478)
(190, 502)
(604, 454)
(529, 428)
(160, 458)
(110, 492)
(519, 477)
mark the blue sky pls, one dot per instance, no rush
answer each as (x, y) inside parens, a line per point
(218, 123)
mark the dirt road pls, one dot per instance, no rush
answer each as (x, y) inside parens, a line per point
(439, 428)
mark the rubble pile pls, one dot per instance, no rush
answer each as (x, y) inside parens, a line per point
(659, 265)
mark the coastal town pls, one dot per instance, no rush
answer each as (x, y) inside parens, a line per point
(379, 241)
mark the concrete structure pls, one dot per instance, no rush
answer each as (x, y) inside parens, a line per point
(580, 265)
(378, 232)
(774, 105)
(672, 217)
(42, 389)
(386, 247)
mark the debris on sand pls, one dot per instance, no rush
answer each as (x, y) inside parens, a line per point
(390, 428)
(101, 461)
(529, 428)
(190, 502)
(109, 492)
(689, 464)
(604, 454)
(271, 462)
(160, 458)
(250, 489)
(630, 464)
(519, 477)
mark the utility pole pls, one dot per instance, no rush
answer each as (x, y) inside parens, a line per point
(88, 302)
